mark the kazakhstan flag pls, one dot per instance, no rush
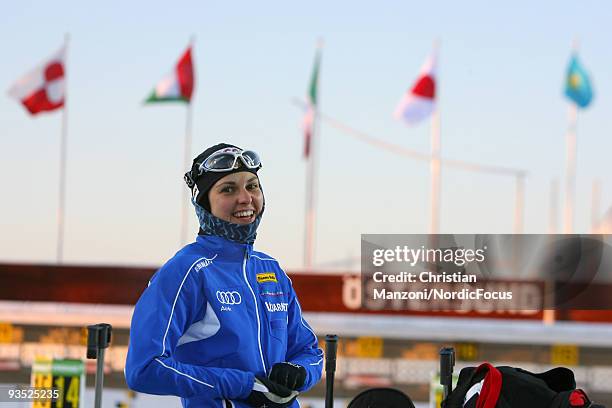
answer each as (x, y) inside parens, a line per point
(577, 84)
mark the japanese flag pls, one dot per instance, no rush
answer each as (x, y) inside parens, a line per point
(419, 102)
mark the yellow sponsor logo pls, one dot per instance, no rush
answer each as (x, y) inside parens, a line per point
(266, 277)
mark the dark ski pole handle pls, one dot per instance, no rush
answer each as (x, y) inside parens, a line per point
(447, 363)
(98, 340)
(331, 346)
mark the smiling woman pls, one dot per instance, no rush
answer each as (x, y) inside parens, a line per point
(236, 198)
(220, 324)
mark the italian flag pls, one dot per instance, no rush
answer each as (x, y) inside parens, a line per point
(43, 88)
(178, 85)
(419, 102)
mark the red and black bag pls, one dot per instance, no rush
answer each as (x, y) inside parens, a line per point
(487, 386)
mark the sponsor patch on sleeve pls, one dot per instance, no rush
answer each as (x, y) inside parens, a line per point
(266, 277)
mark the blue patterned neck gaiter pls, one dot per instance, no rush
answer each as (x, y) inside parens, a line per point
(211, 225)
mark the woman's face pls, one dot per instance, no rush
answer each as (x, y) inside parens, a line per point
(236, 198)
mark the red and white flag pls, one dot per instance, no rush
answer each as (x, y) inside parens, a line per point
(419, 102)
(43, 88)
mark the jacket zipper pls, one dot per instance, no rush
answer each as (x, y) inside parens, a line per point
(244, 261)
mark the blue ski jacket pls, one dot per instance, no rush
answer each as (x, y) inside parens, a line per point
(216, 315)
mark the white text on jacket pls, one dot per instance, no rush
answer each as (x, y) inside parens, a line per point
(276, 307)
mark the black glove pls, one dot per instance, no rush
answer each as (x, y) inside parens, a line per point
(270, 394)
(288, 374)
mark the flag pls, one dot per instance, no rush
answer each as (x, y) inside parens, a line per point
(419, 102)
(43, 88)
(308, 121)
(178, 85)
(577, 84)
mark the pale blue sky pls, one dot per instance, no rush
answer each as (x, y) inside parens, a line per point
(501, 73)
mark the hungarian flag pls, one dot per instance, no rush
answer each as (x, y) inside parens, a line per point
(577, 84)
(308, 121)
(419, 102)
(178, 85)
(43, 88)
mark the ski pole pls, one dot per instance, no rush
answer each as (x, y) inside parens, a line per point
(331, 346)
(447, 363)
(98, 339)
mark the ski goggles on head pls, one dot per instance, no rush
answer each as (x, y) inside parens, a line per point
(223, 160)
(227, 159)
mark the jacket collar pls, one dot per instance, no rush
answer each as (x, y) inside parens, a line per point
(228, 250)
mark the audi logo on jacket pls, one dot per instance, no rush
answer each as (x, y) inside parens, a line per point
(214, 316)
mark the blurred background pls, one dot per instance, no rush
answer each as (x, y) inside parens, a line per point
(500, 113)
